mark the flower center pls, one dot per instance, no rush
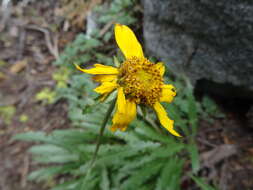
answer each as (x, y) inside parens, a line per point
(141, 80)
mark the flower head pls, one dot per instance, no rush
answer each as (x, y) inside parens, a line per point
(137, 81)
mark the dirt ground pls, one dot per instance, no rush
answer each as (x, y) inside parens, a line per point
(29, 41)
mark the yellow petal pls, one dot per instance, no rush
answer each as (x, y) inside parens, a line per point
(131, 109)
(160, 66)
(106, 87)
(99, 69)
(127, 41)
(121, 101)
(164, 120)
(121, 120)
(168, 93)
(104, 78)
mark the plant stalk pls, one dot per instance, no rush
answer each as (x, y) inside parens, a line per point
(102, 129)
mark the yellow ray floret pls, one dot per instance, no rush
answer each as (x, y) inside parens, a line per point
(127, 41)
(121, 101)
(99, 69)
(106, 87)
(104, 78)
(168, 93)
(122, 119)
(164, 120)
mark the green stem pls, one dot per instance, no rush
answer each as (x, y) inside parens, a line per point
(101, 132)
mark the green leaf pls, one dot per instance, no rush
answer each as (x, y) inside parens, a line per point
(167, 152)
(90, 180)
(46, 95)
(192, 112)
(170, 175)
(105, 181)
(33, 136)
(7, 113)
(69, 185)
(47, 149)
(200, 182)
(104, 59)
(142, 175)
(107, 36)
(194, 155)
(47, 173)
(58, 158)
(74, 135)
(152, 134)
(136, 163)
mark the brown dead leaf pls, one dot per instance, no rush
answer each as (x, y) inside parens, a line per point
(18, 66)
(227, 140)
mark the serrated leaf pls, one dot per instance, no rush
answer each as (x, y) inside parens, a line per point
(136, 163)
(170, 175)
(142, 175)
(166, 152)
(152, 134)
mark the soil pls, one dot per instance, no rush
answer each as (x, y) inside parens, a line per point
(23, 40)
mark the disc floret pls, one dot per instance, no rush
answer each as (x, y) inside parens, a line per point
(141, 80)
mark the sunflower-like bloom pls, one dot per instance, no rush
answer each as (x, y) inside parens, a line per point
(137, 81)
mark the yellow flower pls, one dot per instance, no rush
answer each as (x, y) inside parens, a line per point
(137, 81)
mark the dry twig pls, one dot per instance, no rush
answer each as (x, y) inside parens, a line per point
(52, 45)
(25, 172)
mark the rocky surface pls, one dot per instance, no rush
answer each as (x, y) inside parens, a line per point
(210, 41)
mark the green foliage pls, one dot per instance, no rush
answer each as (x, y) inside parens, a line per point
(200, 182)
(81, 51)
(144, 157)
(210, 108)
(61, 77)
(46, 95)
(6, 113)
(137, 152)
(121, 11)
(23, 118)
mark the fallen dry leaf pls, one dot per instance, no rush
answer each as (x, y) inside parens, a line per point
(18, 66)
(227, 140)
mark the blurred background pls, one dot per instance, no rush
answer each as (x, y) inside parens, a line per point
(50, 117)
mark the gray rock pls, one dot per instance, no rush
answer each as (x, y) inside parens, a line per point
(210, 41)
